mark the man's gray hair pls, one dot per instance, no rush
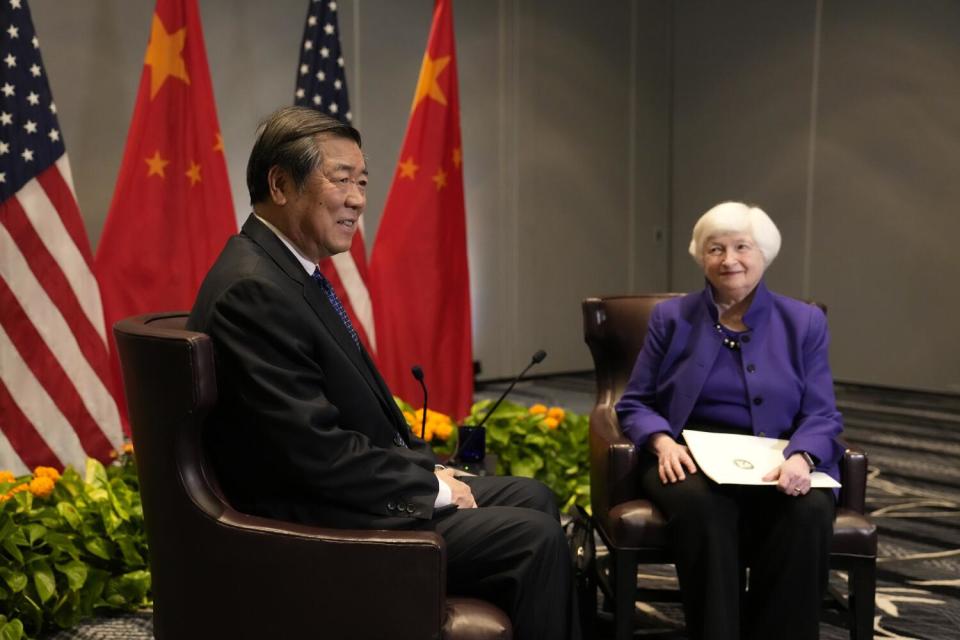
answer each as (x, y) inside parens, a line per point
(290, 139)
(736, 217)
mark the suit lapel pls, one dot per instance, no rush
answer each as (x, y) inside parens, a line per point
(704, 347)
(319, 303)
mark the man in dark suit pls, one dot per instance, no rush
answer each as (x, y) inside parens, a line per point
(306, 429)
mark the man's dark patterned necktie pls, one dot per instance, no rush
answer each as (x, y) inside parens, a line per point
(338, 307)
(336, 304)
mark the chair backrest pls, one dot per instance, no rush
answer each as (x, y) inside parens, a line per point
(171, 386)
(614, 328)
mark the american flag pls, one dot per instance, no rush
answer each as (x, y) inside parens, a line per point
(322, 85)
(56, 402)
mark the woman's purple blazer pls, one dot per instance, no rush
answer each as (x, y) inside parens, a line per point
(785, 365)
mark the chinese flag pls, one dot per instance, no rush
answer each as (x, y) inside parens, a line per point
(418, 269)
(171, 211)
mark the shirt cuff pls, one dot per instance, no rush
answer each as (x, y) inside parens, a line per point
(444, 494)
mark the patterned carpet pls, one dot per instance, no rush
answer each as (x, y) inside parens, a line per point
(913, 442)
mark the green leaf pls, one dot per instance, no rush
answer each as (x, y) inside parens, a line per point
(523, 468)
(96, 474)
(44, 581)
(33, 610)
(7, 526)
(111, 521)
(537, 439)
(133, 585)
(16, 580)
(76, 573)
(98, 547)
(10, 546)
(129, 550)
(93, 588)
(70, 514)
(34, 532)
(118, 507)
(68, 612)
(12, 630)
(62, 544)
(97, 494)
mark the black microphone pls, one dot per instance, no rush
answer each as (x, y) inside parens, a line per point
(537, 358)
(418, 374)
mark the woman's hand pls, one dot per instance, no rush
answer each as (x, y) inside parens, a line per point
(793, 476)
(673, 458)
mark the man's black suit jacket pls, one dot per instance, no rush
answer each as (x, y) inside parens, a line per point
(304, 429)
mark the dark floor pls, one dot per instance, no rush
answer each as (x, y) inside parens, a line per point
(913, 441)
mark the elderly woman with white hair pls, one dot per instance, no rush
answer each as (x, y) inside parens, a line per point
(738, 358)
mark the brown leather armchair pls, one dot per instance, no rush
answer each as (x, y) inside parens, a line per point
(632, 528)
(218, 573)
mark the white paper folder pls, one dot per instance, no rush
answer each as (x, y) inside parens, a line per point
(731, 458)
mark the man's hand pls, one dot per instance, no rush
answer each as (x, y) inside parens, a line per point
(461, 494)
(673, 458)
(793, 476)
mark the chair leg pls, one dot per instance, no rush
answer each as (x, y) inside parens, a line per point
(624, 593)
(863, 588)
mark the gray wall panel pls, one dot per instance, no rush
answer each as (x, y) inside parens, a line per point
(742, 80)
(887, 186)
(573, 154)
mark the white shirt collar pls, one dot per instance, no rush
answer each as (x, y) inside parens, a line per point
(308, 265)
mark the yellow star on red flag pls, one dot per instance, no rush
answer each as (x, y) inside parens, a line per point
(165, 55)
(408, 168)
(193, 173)
(427, 85)
(440, 178)
(156, 164)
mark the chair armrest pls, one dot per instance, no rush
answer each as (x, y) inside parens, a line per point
(613, 462)
(853, 478)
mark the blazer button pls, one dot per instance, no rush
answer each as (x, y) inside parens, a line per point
(758, 401)
(391, 506)
(745, 338)
(751, 368)
(410, 508)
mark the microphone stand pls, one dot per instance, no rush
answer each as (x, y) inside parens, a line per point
(537, 358)
(418, 374)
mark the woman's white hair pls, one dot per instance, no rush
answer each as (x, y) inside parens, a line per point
(736, 217)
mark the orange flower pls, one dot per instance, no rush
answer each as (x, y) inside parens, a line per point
(19, 488)
(557, 413)
(41, 486)
(428, 434)
(551, 423)
(409, 417)
(127, 448)
(7, 476)
(47, 472)
(538, 409)
(443, 429)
